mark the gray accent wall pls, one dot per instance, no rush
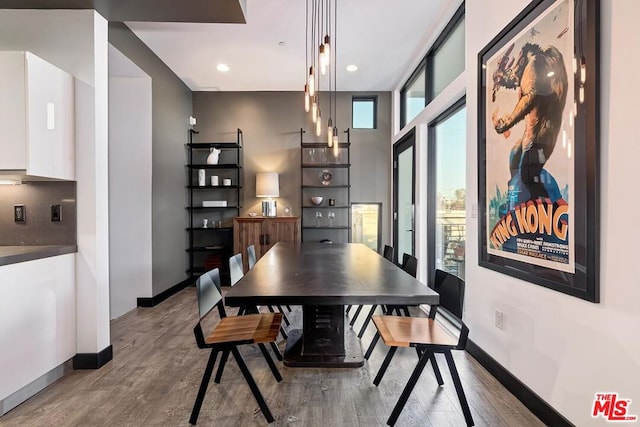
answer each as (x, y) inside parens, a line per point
(271, 122)
(171, 108)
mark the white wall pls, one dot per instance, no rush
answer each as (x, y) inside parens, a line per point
(563, 348)
(76, 41)
(129, 186)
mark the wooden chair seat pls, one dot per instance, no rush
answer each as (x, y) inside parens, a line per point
(428, 337)
(399, 331)
(227, 334)
(248, 329)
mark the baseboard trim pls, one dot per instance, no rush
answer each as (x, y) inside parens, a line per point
(541, 409)
(34, 387)
(153, 301)
(93, 360)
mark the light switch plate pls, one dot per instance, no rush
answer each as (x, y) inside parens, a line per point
(56, 213)
(19, 213)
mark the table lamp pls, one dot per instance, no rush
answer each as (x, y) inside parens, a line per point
(267, 185)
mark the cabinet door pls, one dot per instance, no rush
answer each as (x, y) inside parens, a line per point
(13, 107)
(50, 120)
(247, 232)
(282, 230)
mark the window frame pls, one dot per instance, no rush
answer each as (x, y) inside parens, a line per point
(361, 98)
(442, 38)
(432, 190)
(426, 65)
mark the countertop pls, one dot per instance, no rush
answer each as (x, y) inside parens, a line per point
(15, 254)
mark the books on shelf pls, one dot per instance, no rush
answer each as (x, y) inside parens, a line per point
(214, 203)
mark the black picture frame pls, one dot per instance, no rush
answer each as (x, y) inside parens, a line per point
(508, 241)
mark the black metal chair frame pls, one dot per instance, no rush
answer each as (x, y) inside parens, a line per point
(251, 261)
(409, 265)
(387, 254)
(237, 260)
(226, 348)
(452, 305)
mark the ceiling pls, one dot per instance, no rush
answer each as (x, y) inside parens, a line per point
(381, 37)
(145, 10)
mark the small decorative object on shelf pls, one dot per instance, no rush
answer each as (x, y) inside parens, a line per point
(325, 177)
(214, 155)
(215, 180)
(331, 215)
(226, 182)
(202, 177)
(317, 200)
(332, 202)
(318, 219)
(205, 222)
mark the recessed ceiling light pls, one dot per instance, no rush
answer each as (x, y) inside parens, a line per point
(281, 44)
(352, 68)
(222, 68)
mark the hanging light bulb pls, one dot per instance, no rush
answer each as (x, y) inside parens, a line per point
(314, 110)
(312, 82)
(306, 97)
(319, 124)
(327, 49)
(335, 142)
(323, 59)
(330, 132)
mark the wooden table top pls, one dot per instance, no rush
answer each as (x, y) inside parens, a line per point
(327, 274)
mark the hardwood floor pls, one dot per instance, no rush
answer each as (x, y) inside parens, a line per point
(156, 370)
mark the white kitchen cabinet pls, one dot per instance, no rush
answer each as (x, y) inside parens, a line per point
(36, 117)
(37, 319)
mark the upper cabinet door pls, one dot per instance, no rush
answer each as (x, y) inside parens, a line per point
(50, 120)
(13, 107)
(36, 117)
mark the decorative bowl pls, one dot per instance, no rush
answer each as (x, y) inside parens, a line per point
(317, 200)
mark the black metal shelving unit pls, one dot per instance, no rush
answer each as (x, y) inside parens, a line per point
(315, 159)
(211, 246)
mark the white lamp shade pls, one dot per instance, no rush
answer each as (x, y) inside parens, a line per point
(267, 184)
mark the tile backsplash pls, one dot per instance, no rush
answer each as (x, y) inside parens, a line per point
(37, 198)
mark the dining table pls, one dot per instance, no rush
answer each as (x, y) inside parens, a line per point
(323, 278)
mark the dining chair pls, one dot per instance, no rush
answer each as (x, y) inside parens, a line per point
(228, 333)
(387, 254)
(236, 273)
(428, 336)
(409, 265)
(251, 260)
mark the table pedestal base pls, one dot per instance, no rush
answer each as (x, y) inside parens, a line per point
(323, 341)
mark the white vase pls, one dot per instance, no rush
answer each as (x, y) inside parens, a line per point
(212, 158)
(202, 177)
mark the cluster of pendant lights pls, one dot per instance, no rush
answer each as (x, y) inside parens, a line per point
(320, 62)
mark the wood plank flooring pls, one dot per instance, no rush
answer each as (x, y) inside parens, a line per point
(156, 370)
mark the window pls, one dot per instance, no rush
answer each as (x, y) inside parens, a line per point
(413, 96)
(366, 226)
(445, 61)
(364, 111)
(447, 190)
(442, 64)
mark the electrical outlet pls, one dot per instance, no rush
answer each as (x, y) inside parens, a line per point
(56, 213)
(19, 213)
(499, 319)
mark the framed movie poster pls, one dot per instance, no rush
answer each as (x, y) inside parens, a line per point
(538, 163)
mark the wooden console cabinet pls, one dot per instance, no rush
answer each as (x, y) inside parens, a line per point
(263, 233)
